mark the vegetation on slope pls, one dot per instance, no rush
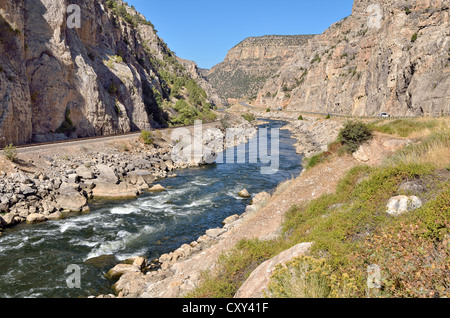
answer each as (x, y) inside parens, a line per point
(176, 84)
(351, 231)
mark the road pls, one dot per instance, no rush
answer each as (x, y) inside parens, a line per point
(29, 148)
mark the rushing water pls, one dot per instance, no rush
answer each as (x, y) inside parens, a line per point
(34, 258)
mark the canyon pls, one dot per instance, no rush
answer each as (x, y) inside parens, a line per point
(112, 75)
(389, 56)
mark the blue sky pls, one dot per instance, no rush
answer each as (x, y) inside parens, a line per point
(204, 30)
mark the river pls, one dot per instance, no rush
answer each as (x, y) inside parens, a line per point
(34, 258)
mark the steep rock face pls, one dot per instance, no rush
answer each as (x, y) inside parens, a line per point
(388, 56)
(250, 63)
(103, 78)
(199, 75)
(15, 113)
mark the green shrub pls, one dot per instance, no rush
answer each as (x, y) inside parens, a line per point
(146, 137)
(268, 110)
(414, 37)
(249, 117)
(314, 160)
(328, 116)
(300, 117)
(10, 153)
(353, 135)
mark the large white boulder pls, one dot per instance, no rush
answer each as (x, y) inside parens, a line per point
(401, 204)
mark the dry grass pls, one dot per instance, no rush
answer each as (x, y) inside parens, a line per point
(433, 149)
(411, 128)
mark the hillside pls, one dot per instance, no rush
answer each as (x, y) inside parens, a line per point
(249, 64)
(393, 57)
(114, 74)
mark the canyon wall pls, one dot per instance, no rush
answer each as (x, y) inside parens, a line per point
(249, 64)
(388, 56)
(110, 75)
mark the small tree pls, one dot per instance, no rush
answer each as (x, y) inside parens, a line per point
(146, 137)
(10, 152)
(353, 135)
(300, 117)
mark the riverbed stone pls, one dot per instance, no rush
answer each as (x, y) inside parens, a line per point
(114, 191)
(157, 188)
(140, 177)
(230, 219)
(55, 216)
(36, 218)
(85, 173)
(215, 233)
(244, 193)
(72, 201)
(121, 269)
(107, 173)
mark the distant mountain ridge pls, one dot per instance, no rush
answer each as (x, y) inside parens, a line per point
(387, 56)
(251, 62)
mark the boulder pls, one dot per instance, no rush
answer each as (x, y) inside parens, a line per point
(36, 218)
(140, 263)
(9, 219)
(107, 173)
(114, 191)
(85, 173)
(230, 219)
(261, 198)
(257, 282)
(72, 201)
(55, 216)
(361, 155)
(122, 269)
(244, 194)
(140, 177)
(157, 188)
(215, 233)
(412, 187)
(401, 204)
(4, 206)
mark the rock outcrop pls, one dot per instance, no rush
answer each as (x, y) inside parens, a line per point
(112, 74)
(250, 63)
(388, 56)
(199, 75)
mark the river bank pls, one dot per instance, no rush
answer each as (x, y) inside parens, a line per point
(151, 225)
(53, 184)
(178, 273)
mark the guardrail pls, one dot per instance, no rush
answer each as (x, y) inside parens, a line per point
(433, 115)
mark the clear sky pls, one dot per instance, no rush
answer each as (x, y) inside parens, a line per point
(204, 30)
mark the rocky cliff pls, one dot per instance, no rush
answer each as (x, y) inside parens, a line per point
(388, 56)
(250, 63)
(112, 74)
(199, 75)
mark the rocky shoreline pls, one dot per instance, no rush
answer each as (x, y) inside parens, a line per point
(65, 184)
(160, 278)
(175, 274)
